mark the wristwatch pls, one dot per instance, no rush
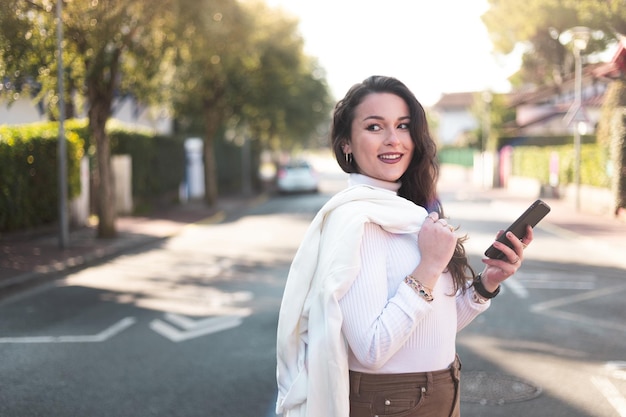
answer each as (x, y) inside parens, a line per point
(480, 288)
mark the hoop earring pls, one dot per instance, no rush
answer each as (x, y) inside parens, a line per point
(348, 158)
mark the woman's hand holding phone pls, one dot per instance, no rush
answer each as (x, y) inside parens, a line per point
(505, 255)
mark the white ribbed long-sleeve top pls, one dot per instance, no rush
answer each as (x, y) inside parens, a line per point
(388, 326)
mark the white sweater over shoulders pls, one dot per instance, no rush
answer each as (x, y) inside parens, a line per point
(345, 304)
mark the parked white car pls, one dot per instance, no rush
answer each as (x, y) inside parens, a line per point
(297, 176)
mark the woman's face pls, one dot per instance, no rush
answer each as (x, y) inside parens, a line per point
(381, 142)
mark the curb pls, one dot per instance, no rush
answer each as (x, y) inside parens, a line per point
(74, 263)
(123, 243)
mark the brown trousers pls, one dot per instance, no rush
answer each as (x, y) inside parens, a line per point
(423, 394)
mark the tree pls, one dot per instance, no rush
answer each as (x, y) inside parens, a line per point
(242, 66)
(212, 55)
(536, 25)
(27, 49)
(290, 102)
(494, 113)
(103, 39)
(107, 35)
(223, 62)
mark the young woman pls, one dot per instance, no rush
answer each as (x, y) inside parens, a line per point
(381, 284)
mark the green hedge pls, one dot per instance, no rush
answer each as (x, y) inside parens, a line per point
(28, 168)
(457, 156)
(534, 162)
(29, 173)
(158, 162)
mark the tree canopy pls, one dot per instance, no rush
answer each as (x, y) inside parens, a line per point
(242, 66)
(535, 25)
(217, 63)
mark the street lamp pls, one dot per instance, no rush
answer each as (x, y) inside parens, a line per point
(578, 37)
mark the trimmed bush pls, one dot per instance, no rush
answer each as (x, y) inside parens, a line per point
(534, 162)
(456, 156)
(29, 173)
(158, 162)
(28, 168)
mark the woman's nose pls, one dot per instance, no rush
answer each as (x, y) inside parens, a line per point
(392, 138)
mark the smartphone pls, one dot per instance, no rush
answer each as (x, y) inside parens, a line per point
(533, 215)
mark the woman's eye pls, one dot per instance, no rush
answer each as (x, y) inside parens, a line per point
(373, 128)
(403, 126)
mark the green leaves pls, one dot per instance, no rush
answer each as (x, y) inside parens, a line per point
(535, 26)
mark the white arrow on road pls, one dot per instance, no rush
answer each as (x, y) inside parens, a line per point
(97, 338)
(192, 328)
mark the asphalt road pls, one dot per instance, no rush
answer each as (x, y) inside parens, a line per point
(187, 327)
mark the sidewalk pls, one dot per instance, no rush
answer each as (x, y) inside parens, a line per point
(601, 230)
(26, 258)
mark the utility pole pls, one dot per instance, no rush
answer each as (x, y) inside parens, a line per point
(578, 37)
(62, 154)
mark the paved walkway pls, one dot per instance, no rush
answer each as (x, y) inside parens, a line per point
(25, 259)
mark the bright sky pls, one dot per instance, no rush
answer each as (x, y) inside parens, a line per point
(433, 46)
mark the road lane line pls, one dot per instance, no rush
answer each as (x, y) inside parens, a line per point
(560, 285)
(97, 338)
(559, 302)
(580, 319)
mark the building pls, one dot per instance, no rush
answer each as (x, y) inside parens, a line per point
(543, 111)
(125, 110)
(455, 118)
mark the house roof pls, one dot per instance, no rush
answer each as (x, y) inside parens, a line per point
(541, 94)
(617, 66)
(455, 100)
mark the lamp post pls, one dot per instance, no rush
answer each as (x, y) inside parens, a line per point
(62, 157)
(578, 37)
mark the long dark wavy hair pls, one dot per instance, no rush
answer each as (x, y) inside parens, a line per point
(419, 181)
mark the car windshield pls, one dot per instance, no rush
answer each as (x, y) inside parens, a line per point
(298, 164)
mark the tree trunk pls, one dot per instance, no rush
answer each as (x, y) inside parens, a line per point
(101, 82)
(100, 94)
(618, 158)
(105, 189)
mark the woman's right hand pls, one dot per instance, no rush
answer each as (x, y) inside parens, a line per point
(436, 242)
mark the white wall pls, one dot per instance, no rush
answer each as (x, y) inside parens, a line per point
(20, 112)
(127, 111)
(452, 124)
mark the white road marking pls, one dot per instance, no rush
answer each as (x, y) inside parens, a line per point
(556, 280)
(549, 308)
(581, 319)
(191, 328)
(97, 338)
(559, 302)
(560, 285)
(617, 369)
(611, 393)
(518, 289)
